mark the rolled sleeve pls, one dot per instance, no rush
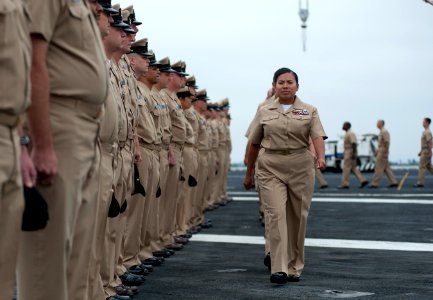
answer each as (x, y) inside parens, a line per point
(44, 14)
(316, 129)
(255, 130)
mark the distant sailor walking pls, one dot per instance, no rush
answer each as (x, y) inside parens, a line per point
(382, 164)
(285, 172)
(350, 156)
(425, 153)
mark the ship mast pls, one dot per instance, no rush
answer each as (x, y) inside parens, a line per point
(303, 14)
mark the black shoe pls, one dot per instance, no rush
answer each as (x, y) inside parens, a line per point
(118, 297)
(161, 253)
(131, 279)
(418, 185)
(363, 184)
(138, 270)
(393, 185)
(149, 268)
(172, 252)
(293, 278)
(323, 186)
(343, 187)
(279, 278)
(372, 186)
(153, 261)
(267, 261)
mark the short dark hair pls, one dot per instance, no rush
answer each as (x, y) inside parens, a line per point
(348, 124)
(428, 120)
(282, 71)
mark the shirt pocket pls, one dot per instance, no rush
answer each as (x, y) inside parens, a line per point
(270, 124)
(8, 28)
(80, 29)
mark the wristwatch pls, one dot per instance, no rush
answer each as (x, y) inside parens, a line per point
(24, 140)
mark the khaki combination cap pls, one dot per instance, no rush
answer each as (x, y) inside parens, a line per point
(141, 47)
(164, 65)
(179, 68)
(190, 81)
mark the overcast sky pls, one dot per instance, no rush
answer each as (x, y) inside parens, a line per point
(365, 60)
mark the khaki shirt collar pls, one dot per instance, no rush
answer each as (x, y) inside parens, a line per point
(276, 105)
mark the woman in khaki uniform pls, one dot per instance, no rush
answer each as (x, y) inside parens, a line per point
(285, 172)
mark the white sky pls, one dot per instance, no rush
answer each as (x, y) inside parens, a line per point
(365, 60)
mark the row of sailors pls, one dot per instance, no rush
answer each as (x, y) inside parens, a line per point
(138, 154)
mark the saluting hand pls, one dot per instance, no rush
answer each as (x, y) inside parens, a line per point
(45, 162)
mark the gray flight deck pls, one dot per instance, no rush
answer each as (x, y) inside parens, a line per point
(361, 243)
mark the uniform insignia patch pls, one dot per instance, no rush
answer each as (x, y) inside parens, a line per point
(300, 112)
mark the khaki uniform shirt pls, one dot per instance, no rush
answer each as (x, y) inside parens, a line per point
(209, 131)
(109, 130)
(76, 57)
(191, 117)
(203, 134)
(267, 101)
(275, 129)
(349, 140)
(425, 139)
(229, 138)
(146, 130)
(215, 134)
(131, 94)
(222, 133)
(15, 58)
(384, 140)
(119, 87)
(177, 117)
(165, 120)
(154, 109)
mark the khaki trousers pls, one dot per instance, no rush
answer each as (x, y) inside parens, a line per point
(320, 178)
(54, 262)
(213, 179)
(219, 177)
(350, 166)
(210, 179)
(163, 173)
(170, 199)
(382, 165)
(107, 266)
(11, 208)
(123, 191)
(198, 204)
(186, 192)
(286, 187)
(106, 187)
(424, 164)
(150, 220)
(138, 211)
(226, 171)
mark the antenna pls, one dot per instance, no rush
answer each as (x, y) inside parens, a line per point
(303, 14)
